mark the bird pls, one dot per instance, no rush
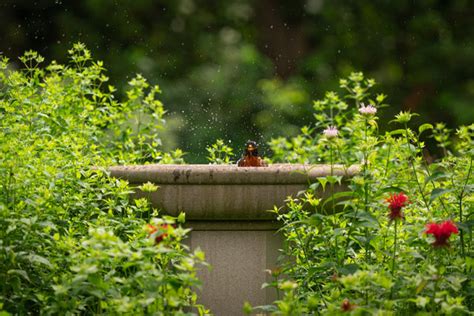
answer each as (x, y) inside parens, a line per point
(250, 157)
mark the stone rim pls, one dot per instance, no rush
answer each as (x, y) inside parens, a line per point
(228, 174)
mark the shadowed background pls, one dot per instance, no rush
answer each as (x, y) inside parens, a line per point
(241, 69)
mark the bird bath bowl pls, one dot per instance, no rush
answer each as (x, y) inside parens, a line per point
(225, 192)
(227, 209)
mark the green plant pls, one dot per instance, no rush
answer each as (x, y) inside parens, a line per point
(220, 153)
(71, 240)
(354, 253)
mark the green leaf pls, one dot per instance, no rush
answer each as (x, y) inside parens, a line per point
(38, 259)
(373, 123)
(465, 226)
(338, 195)
(263, 308)
(392, 189)
(438, 192)
(314, 220)
(338, 232)
(181, 217)
(367, 219)
(425, 127)
(21, 273)
(334, 179)
(416, 254)
(421, 301)
(60, 289)
(314, 186)
(323, 181)
(435, 176)
(397, 132)
(349, 269)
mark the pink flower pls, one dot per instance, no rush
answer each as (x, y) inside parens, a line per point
(367, 110)
(441, 232)
(331, 132)
(396, 202)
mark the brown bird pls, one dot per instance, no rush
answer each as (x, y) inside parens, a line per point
(250, 157)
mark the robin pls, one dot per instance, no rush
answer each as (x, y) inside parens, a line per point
(250, 157)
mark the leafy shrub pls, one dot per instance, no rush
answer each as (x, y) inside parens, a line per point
(220, 153)
(373, 249)
(70, 239)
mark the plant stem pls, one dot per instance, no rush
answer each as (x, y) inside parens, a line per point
(394, 254)
(428, 172)
(414, 169)
(461, 234)
(332, 201)
(308, 264)
(387, 164)
(394, 247)
(303, 247)
(351, 227)
(435, 287)
(277, 289)
(461, 196)
(366, 191)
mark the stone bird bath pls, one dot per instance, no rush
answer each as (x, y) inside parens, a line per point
(227, 209)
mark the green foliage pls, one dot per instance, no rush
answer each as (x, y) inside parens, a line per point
(220, 153)
(71, 242)
(346, 254)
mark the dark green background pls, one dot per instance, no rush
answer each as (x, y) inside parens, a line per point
(239, 69)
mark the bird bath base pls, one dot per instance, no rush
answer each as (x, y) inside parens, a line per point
(227, 209)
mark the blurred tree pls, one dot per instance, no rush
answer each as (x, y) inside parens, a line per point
(242, 69)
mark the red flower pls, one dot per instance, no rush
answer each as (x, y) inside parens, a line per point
(396, 202)
(441, 232)
(346, 305)
(153, 230)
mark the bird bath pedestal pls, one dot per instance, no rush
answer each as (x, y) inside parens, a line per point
(227, 209)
